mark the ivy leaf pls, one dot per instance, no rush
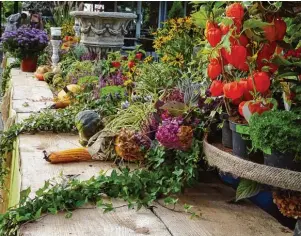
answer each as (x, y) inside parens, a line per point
(24, 195)
(41, 190)
(38, 213)
(254, 23)
(68, 214)
(170, 200)
(219, 4)
(52, 210)
(246, 189)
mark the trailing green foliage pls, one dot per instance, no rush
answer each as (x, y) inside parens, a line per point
(277, 130)
(168, 172)
(6, 76)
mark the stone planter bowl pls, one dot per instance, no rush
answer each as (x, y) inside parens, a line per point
(103, 31)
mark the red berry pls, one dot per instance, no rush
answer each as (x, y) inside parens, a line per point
(214, 69)
(216, 88)
(235, 10)
(214, 36)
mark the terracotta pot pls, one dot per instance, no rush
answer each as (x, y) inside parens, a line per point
(29, 64)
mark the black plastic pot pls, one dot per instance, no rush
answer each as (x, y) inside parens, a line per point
(240, 145)
(297, 231)
(226, 131)
(282, 160)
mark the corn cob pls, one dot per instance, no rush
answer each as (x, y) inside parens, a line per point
(69, 155)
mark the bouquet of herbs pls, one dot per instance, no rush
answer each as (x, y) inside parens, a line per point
(25, 42)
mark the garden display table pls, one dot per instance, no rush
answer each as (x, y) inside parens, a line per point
(210, 200)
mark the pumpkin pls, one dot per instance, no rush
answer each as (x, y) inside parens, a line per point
(43, 69)
(233, 90)
(87, 123)
(39, 76)
(64, 94)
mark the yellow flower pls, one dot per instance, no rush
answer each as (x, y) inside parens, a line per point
(148, 59)
(178, 60)
(165, 58)
(128, 82)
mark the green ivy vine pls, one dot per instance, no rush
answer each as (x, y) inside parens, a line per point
(167, 173)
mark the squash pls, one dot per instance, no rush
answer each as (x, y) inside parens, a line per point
(88, 123)
(64, 94)
(43, 69)
(48, 76)
(39, 76)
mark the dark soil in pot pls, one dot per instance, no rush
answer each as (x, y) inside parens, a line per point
(282, 160)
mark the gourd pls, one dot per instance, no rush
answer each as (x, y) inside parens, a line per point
(41, 70)
(64, 96)
(88, 123)
(48, 77)
(69, 155)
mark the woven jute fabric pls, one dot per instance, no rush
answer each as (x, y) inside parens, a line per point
(276, 177)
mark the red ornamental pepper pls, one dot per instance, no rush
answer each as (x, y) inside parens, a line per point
(116, 64)
(238, 56)
(131, 64)
(216, 88)
(242, 40)
(214, 69)
(233, 90)
(258, 107)
(240, 107)
(265, 53)
(235, 10)
(139, 56)
(214, 36)
(246, 94)
(209, 25)
(261, 80)
(276, 31)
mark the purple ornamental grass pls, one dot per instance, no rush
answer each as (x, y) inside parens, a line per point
(112, 79)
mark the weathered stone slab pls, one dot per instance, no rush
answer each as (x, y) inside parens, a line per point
(27, 106)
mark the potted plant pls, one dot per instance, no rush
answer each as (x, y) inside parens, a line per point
(278, 135)
(26, 44)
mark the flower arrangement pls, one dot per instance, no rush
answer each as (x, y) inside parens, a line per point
(25, 42)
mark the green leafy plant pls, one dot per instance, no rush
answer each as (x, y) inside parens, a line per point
(276, 130)
(246, 189)
(6, 76)
(138, 188)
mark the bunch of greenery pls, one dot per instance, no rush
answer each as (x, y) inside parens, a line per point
(79, 69)
(176, 40)
(166, 173)
(6, 75)
(153, 78)
(276, 130)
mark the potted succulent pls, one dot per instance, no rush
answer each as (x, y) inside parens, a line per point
(26, 44)
(278, 135)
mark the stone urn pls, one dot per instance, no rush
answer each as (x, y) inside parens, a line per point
(102, 32)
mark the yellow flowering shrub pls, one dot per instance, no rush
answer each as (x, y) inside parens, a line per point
(175, 41)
